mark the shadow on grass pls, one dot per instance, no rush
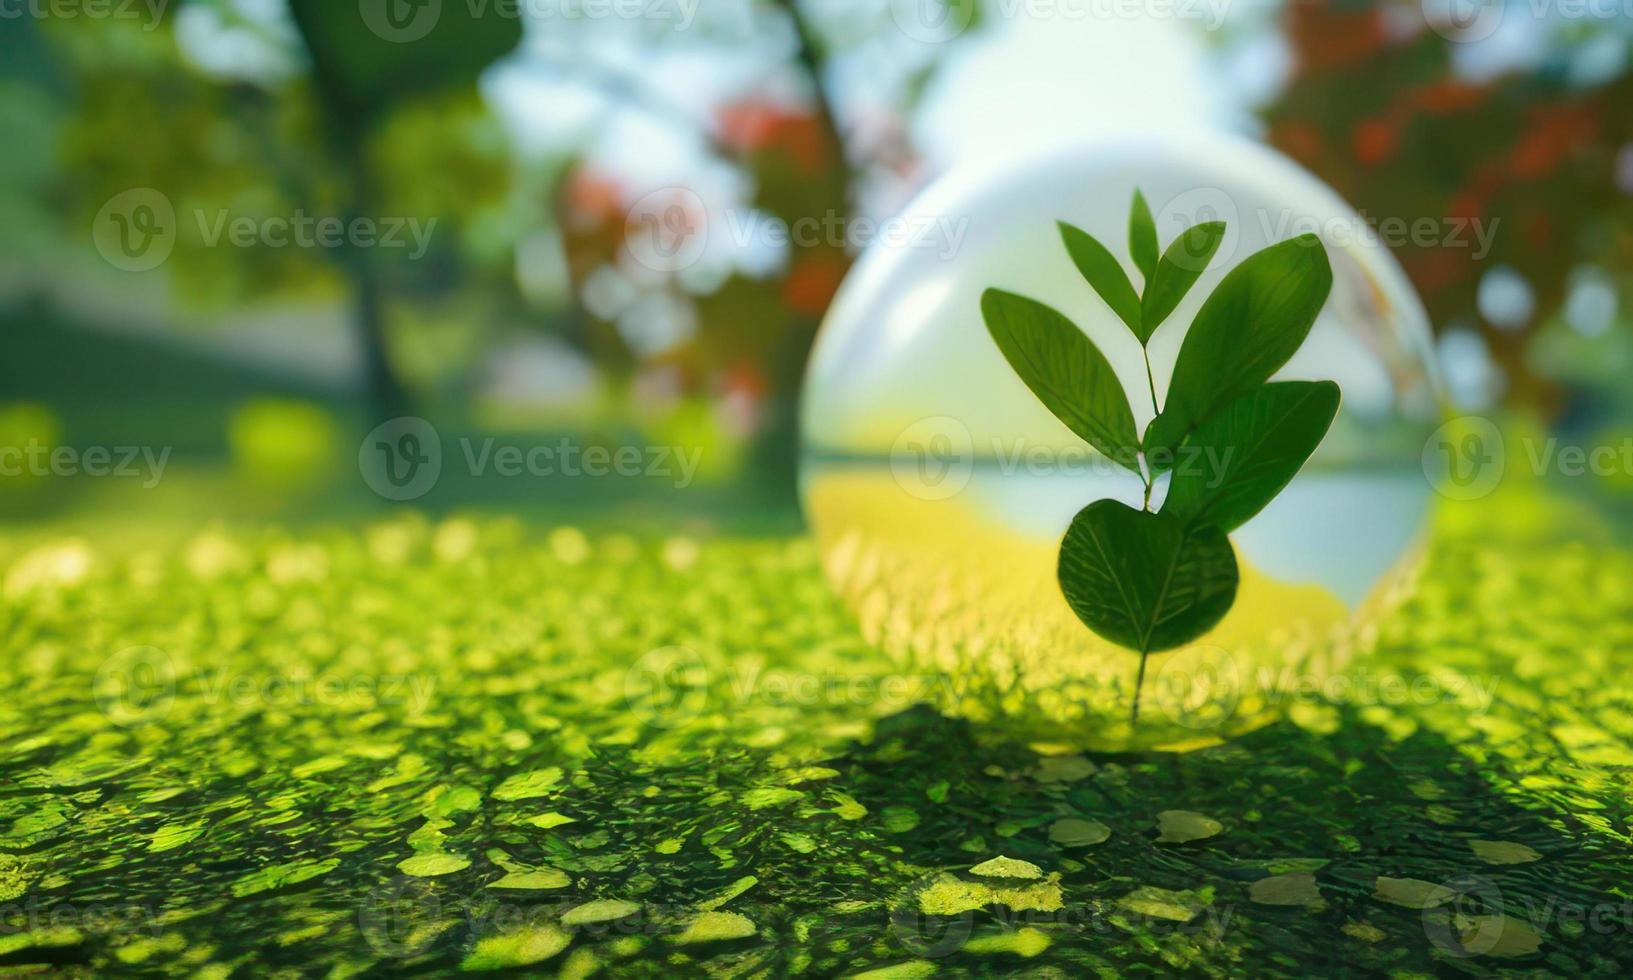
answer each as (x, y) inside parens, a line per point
(1342, 809)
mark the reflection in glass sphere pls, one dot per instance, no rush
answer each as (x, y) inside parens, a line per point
(939, 488)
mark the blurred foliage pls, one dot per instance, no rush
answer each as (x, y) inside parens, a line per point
(330, 119)
(25, 427)
(1377, 108)
(283, 446)
(364, 68)
(333, 120)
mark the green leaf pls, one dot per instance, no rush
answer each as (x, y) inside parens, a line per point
(1240, 459)
(598, 911)
(1145, 581)
(526, 946)
(277, 876)
(1251, 325)
(528, 785)
(540, 879)
(1065, 370)
(1142, 237)
(1185, 260)
(433, 865)
(1104, 273)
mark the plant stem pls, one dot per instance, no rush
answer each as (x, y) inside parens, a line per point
(1139, 682)
(1151, 380)
(1151, 479)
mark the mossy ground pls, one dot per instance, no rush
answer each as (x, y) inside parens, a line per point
(421, 746)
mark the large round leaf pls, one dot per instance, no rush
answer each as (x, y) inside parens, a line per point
(1145, 581)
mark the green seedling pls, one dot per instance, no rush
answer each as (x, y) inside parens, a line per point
(1154, 580)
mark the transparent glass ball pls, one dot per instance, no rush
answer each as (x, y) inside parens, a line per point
(939, 488)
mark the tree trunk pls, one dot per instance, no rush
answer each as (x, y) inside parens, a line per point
(778, 452)
(387, 397)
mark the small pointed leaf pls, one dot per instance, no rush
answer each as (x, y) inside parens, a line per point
(1145, 581)
(1185, 260)
(1241, 458)
(1104, 273)
(1142, 238)
(1065, 370)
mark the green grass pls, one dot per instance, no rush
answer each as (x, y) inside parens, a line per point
(415, 747)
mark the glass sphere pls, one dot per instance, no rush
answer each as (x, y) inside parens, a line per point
(939, 488)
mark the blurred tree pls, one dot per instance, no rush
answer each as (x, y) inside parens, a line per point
(1539, 154)
(362, 69)
(268, 143)
(235, 110)
(807, 158)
